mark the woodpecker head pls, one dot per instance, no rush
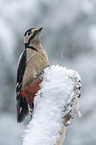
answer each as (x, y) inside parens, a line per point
(32, 36)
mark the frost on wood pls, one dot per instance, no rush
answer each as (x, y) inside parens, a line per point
(53, 107)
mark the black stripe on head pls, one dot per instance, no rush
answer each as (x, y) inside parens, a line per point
(29, 30)
(27, 44)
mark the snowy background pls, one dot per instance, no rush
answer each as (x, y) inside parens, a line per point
(69, 38)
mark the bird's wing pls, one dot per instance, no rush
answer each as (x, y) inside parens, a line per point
(21, 68)
(22, 105)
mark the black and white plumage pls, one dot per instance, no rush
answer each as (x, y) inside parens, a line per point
(31, 64)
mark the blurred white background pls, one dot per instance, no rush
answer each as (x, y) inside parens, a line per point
(69, 38)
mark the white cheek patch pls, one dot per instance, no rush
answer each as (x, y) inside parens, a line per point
(26, 39)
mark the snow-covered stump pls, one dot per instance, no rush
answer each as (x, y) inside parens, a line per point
(53, 109)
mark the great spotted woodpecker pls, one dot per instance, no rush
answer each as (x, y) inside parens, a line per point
(32, 62)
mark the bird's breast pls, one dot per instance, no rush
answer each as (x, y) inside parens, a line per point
(35, 64)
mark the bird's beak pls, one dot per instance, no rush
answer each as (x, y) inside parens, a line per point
(36, 34)
(39, 30)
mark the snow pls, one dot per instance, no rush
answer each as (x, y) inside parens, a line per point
(69, 38)
(52, 104)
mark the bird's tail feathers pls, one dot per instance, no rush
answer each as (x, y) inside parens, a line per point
(22, 110)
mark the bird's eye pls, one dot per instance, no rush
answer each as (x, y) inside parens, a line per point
(28, 33)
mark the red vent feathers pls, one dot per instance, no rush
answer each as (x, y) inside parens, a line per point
(29, 92)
